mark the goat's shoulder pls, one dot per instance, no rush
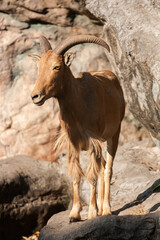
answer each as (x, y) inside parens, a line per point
(84, 77)
(108, 80)
(103, 78)
(104, 74)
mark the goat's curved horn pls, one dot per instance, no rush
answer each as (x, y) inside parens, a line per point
(72, 41)
(45, 45)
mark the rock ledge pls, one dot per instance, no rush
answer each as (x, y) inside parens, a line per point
(128, 227)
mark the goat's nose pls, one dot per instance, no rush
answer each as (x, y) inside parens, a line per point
(35, 96)
(38, 99)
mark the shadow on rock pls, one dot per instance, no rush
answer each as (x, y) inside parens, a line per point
(141, 198)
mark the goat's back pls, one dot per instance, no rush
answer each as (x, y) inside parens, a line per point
(103, 101)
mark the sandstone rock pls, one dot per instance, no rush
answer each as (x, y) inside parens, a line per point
(132, 32)
(135, 174)
(56, 12)
(31, 191)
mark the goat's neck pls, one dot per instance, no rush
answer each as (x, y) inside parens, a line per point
(70, 102)
(72, 112)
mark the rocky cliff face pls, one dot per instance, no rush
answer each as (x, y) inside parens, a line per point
(133, 33)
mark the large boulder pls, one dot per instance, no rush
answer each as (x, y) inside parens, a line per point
(31, 192)
(144, 227)
(133, 33)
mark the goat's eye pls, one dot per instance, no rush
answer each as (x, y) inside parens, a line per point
(56, 68)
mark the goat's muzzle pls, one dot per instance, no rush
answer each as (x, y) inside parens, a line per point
(38, 99)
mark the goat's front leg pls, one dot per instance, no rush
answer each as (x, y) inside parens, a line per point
(111, 151)
(92, 212)
(76, 172)
(76, 208)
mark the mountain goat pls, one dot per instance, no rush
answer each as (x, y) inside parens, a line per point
(91, 110)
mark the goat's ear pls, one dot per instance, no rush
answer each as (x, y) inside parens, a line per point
(68, 57)
(34, 57)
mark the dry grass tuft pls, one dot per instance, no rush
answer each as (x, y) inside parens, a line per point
(33, 237)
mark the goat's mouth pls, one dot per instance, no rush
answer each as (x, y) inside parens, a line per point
(38, 100)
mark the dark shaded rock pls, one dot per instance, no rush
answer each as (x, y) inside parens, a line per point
(145, 227)
(31, 191)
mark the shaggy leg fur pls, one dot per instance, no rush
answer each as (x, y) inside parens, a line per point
(107, 179)
(111, 151)
(93, 205)
(100, 198)
(91, 174)
(75, 212)
(76, 172)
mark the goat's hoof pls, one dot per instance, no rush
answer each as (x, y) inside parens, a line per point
(108, 212)
(92, 213)
(100, 213)
(71, 220)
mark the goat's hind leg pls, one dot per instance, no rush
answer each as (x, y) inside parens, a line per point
(112, 145)
(100, 198)
(76, 172)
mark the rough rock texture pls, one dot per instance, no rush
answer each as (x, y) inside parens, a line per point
(31, 192)
(146, 227)
(46, 11)
(133, 33)
(133, 192)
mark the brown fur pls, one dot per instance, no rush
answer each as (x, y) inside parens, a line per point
(91, 110)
